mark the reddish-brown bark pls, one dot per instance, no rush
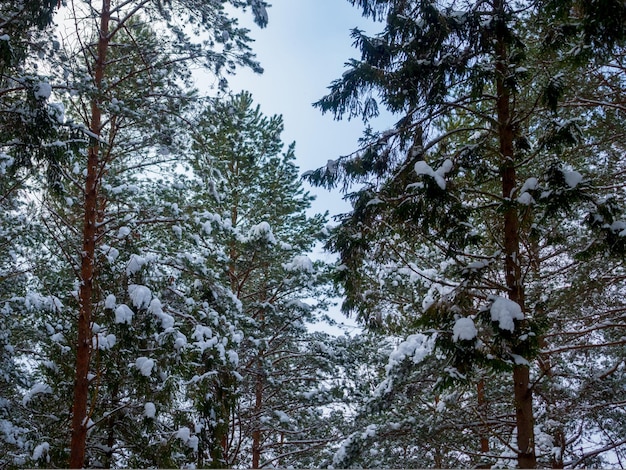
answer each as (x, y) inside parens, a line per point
(523, 398)
(256, 434)
(83, 347)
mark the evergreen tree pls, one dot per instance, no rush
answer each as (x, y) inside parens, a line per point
(469, 206)
(126, 89)
(28, 128)
(225, 48)
(253, 210)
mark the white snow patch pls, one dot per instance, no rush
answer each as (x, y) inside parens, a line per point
(374, 201)
(233, 357)
(416, 347)
(572, 178)
(104, 342)
(145, 365)
(58, 338)
(42, 90)
(525, 199)
(262, 231)
(530, 185)
(423, 168)
(110, 301)
(123, 314)
(504, 311)
(300, 263)
(42, 450)
(464, 330)
(149, 410)
(619, 227)
(184, 434)
(110, 253)
(519, 360)
(477, 265)
(123, 232)
(139, 295)
(134, 264)
(36, 389)
(167, 321)
(180, 342)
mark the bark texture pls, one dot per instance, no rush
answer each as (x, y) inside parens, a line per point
(523, 398)
(80, 415)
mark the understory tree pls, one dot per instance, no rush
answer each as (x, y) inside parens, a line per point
(247, 218)
(28, 130)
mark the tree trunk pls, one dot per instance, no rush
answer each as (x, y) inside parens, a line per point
(521, 374)
(524, 418)
(482, 408)
(83, 347)
(258, 407)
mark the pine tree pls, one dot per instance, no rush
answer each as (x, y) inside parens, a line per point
(250, 200)
(126, 88)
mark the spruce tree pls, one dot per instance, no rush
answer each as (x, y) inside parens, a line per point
(468, 205)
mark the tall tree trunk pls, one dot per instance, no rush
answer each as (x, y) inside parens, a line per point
(83, 346)
(258, 408)
(521, 374)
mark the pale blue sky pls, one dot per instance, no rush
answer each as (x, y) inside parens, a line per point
(303, 49)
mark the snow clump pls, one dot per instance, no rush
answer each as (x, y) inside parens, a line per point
(42, 90)
(416, 347)
(42, 450)
(300, 263)
(139, 295)
(504, 311)
(104, 342)
(423, 168)
(135, 263)
(167, 321)
(123, 314)
(464, 330)
(110, 301)
(184, 434)
(262, 231)
(36, 389)
(145, 365)
(572, 178)
(149, 410)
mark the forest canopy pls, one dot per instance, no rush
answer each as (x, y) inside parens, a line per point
(158, 285)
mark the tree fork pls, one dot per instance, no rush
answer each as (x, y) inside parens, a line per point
(83, 347)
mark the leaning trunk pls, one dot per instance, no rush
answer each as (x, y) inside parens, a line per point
(521, 374)
(83, 346)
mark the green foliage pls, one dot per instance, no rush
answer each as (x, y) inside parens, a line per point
(444, 225)
(260, 248)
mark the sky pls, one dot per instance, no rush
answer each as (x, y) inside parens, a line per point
(302, 50)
